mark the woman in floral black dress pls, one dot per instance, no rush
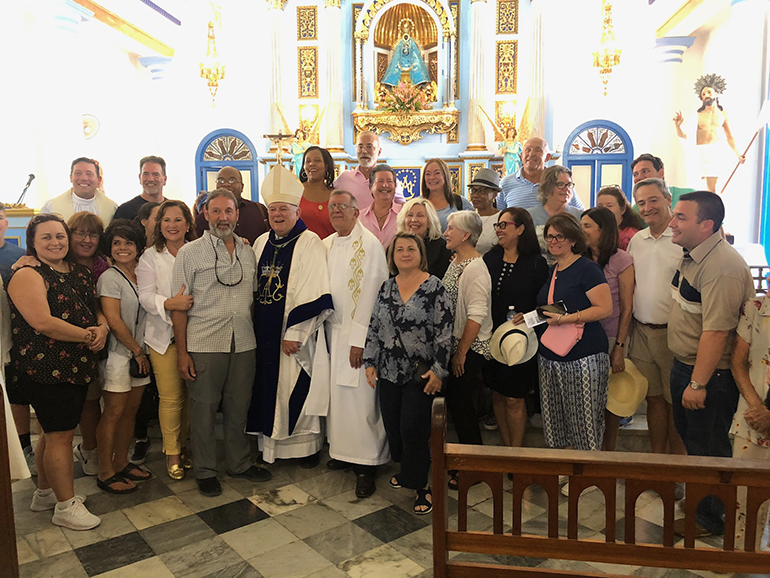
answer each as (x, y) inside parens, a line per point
(411, 322)
(57, 331)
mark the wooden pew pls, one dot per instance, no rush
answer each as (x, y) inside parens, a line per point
(490, 464)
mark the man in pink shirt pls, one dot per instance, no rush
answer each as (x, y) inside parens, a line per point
(357, 181)
(381, 215)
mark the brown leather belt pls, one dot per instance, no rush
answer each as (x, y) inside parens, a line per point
(652, 325)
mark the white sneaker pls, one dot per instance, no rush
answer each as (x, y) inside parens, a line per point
(88, 458)
(564, 483)
(43, 500)
(74, 515)
(29, 456)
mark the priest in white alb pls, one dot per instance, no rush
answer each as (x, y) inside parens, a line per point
(357, 268)
(291, 304)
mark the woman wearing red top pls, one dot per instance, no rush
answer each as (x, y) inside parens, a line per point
(317, 175)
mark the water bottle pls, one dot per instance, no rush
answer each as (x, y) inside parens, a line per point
(511, 313)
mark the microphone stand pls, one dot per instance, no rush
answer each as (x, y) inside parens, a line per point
(24, 192)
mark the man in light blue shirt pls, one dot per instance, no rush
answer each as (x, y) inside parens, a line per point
(520, 188)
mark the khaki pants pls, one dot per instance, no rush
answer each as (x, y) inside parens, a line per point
(173, 407)
(648, 349)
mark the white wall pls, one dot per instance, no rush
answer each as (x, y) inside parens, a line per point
(65, 75)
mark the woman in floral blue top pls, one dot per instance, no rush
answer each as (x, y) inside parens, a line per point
(411, 323)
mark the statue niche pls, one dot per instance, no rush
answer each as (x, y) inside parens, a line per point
(406, 60)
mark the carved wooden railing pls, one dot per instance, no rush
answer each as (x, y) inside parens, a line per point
(702, 476)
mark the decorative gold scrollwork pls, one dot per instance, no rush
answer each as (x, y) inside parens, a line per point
(406, 127)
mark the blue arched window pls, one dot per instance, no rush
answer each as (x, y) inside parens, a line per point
(599, 153)
(227, 147)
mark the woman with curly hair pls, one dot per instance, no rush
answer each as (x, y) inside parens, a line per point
(318, 177)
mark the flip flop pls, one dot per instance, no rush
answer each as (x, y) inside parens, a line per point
(129, 473)
(106, 485)
(422, 500)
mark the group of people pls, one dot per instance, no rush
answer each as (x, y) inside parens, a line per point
(337, 311)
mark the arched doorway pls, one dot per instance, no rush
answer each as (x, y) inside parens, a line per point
(599, 152)
(227, 147)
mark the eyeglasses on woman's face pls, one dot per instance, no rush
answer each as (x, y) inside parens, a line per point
(561, 186)
(558, 238)
(503, 224)
(82, 235)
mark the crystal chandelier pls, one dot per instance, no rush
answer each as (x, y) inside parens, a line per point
(211, 69)
(608, 54)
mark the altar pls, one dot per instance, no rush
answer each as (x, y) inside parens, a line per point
(467, 81)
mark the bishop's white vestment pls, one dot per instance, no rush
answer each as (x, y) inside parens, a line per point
(291, 304)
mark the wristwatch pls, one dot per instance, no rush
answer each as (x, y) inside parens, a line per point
(696, 386)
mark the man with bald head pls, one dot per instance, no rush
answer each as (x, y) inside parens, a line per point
(520, 188)
(356, 181)
(252, 219)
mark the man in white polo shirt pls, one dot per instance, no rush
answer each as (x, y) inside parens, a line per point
(656, 259)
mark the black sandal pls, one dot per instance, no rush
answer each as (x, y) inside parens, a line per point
(394, 483)
(422, 501)
(454, 483)
(118, 478)
(128, 473)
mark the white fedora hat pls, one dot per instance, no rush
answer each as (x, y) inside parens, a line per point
(626, 390)
(513, 344)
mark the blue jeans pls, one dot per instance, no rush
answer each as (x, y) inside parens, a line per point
(705, 431)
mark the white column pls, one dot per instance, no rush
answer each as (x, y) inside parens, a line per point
(276, 12)
(452, 67)
(537, 73)
(477, 76)
(332, 31)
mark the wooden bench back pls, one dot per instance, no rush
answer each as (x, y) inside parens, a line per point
(702, 476)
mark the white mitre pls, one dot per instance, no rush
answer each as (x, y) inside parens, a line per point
(281, 186)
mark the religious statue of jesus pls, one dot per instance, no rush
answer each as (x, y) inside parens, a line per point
(406, 63)
(711, 118)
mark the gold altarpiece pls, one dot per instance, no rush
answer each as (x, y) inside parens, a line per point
(410, 104)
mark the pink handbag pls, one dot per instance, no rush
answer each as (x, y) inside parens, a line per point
(561, 338)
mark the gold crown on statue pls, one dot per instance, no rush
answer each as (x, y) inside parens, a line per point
(281, 186)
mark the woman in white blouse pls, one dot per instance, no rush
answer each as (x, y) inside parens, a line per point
(469, 285)
(174, 227)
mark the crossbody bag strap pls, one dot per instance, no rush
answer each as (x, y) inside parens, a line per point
(553, 284)
(138, 305)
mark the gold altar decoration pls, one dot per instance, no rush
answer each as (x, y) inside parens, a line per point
(506, 66)
(507, 16)
(608, 54)
(388, 31)
(307, 71)
(211, 69)
(406, 127)
(307, 23)
(447, 23)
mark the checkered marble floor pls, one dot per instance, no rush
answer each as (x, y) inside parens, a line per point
(300, 523)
